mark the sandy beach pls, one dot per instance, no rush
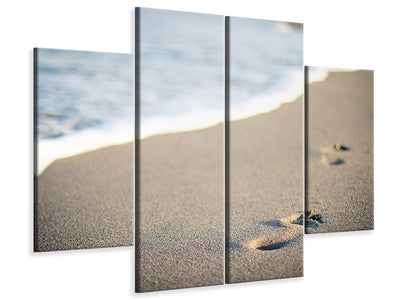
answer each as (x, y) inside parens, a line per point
(180, 235)
(86, 201)
(340, 151)
(266, 185)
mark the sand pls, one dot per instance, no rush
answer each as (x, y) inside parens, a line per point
(180, 235)
(86, 201)
(266, 186)
(340, 151)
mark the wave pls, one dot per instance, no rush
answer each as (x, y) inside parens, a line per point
(316, 74)
(80, 142)
(284, 92)
(122, 132)
(187, 122)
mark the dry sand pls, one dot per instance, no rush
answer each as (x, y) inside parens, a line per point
(86, 201)
(340, 151)
(266, 186)
(180, 234)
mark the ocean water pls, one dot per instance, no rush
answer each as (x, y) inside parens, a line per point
(182, 71)
(316, 74)
(266, 65)
(84, 102)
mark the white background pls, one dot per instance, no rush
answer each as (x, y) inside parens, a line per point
(340, 33)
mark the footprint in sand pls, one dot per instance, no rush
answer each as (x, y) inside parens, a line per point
(331, 155)
(331, 161)
(335, 148)
(294, 225)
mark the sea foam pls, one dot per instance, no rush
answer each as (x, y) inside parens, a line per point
(48, 150)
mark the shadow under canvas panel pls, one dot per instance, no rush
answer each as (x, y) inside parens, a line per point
(340, 150)
(265, 154)
(83, 149)
(179, 222)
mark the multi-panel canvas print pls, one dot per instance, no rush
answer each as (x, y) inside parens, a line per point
(212, 150)
(340, 149)
(179, 180)
(83, 149)
(264, 209)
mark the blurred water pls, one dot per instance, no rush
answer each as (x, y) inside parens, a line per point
(84, 102)
(182, 70)
(85, 99)
(266, 65)
(78, 90)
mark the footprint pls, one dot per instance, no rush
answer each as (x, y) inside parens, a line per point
(332, 161)
(270, 243)
(335, 148)
(312, 219)
(330, 154)
(294, 225)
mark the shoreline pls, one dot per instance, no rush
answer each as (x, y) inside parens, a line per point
(42, 167)
(57, 147)
(80, 142)
(86, 201)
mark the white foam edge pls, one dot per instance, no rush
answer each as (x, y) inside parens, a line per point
(316, 74)
(188, 122)
(120, 133)
(292, 89)
(49, 150)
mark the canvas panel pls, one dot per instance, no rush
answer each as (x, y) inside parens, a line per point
(265, 155)
(340, 149)
(83, 149)
(179, 150)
